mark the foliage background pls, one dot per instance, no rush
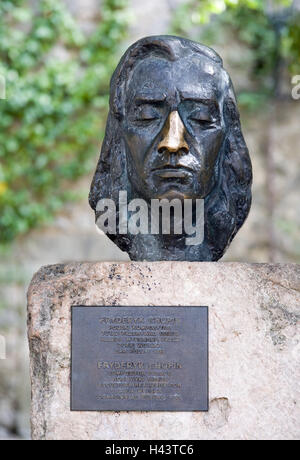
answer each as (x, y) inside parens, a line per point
(57, 92)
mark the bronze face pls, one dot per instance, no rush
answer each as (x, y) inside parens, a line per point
(173, 131)
(173, 127)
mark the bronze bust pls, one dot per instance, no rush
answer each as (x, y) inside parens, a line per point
(173, 133)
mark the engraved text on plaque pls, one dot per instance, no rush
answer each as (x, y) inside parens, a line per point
(139, 358)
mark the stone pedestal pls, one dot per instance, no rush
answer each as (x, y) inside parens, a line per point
(254, 349)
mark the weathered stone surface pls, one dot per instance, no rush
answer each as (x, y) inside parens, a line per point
(254, 347)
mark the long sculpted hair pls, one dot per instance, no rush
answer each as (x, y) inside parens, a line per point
(228, 204)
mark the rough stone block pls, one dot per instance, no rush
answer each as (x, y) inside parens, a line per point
(254, 348)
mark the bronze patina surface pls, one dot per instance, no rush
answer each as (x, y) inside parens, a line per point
(173, 132)
(139, 358)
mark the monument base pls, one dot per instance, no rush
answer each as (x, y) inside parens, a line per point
(253, 347)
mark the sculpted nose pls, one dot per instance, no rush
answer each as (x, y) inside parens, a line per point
(173, 135)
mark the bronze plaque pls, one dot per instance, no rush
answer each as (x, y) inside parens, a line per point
(139, 358)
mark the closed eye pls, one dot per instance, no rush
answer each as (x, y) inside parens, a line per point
(204, 123)
(147, 114)
(207, 124)
(147, 117)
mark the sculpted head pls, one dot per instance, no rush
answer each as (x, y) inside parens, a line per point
(173, 131)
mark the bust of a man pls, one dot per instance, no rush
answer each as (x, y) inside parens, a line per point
(173, 135)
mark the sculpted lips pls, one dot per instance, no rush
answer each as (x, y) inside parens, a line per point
(168, 171)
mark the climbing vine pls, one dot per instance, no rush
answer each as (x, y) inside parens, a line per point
(52, 120)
